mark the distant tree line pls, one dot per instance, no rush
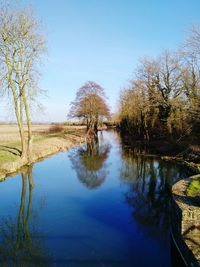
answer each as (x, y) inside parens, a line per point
(163, 99)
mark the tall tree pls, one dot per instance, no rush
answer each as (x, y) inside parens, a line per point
(163, 100)
(90, 105)
(21, 48)
(190, 54)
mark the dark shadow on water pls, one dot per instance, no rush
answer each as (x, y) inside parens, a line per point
(148, 194)
(148, 181)
(176, 260)
(18, 247)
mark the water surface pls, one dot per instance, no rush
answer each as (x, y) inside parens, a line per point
(98, 205)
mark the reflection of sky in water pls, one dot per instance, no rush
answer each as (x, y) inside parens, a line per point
(122, 221)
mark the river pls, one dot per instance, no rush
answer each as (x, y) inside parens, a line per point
(97, 205)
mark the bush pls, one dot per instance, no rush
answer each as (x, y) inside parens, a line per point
(57, 128)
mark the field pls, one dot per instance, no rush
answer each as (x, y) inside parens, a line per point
(48, 139)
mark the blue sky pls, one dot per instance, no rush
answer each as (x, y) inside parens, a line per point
(102, 40)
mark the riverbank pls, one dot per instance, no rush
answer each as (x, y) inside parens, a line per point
(187, 155)
(47, 141)
(194, 167)
(185, 209)
(186, 219)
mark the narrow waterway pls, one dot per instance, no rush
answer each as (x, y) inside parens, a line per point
(97, 205)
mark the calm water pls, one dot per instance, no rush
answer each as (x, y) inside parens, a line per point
(99, 205)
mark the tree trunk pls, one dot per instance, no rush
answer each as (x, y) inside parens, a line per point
(18, 113)
(21, 129)
(30, 136)
(96, 125)
(19, 117)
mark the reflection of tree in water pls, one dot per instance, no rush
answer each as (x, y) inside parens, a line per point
(148, 193)
(17, 245)
(89, 163)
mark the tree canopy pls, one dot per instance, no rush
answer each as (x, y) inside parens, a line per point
(90, 105)
(163, 99)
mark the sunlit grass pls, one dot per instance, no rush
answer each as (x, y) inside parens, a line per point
(9, 151)
(10, 146)
(194, 188)
(6, 156)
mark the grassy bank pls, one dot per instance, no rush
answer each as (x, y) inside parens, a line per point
(47, 140)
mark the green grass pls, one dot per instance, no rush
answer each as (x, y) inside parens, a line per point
(6, 157)
(39, 138)
(9, 149)
(194, 188)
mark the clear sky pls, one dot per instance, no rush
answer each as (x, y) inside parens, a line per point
(102, 40)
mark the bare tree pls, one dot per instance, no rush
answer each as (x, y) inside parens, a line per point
(90, 105)
(190, 54)
(21, 48)
(156, 102)
(192, 43)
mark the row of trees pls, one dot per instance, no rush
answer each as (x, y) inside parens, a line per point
(163, 99)
(21, 48)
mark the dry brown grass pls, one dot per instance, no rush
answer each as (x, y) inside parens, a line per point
(9, 133)
(48, 139)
